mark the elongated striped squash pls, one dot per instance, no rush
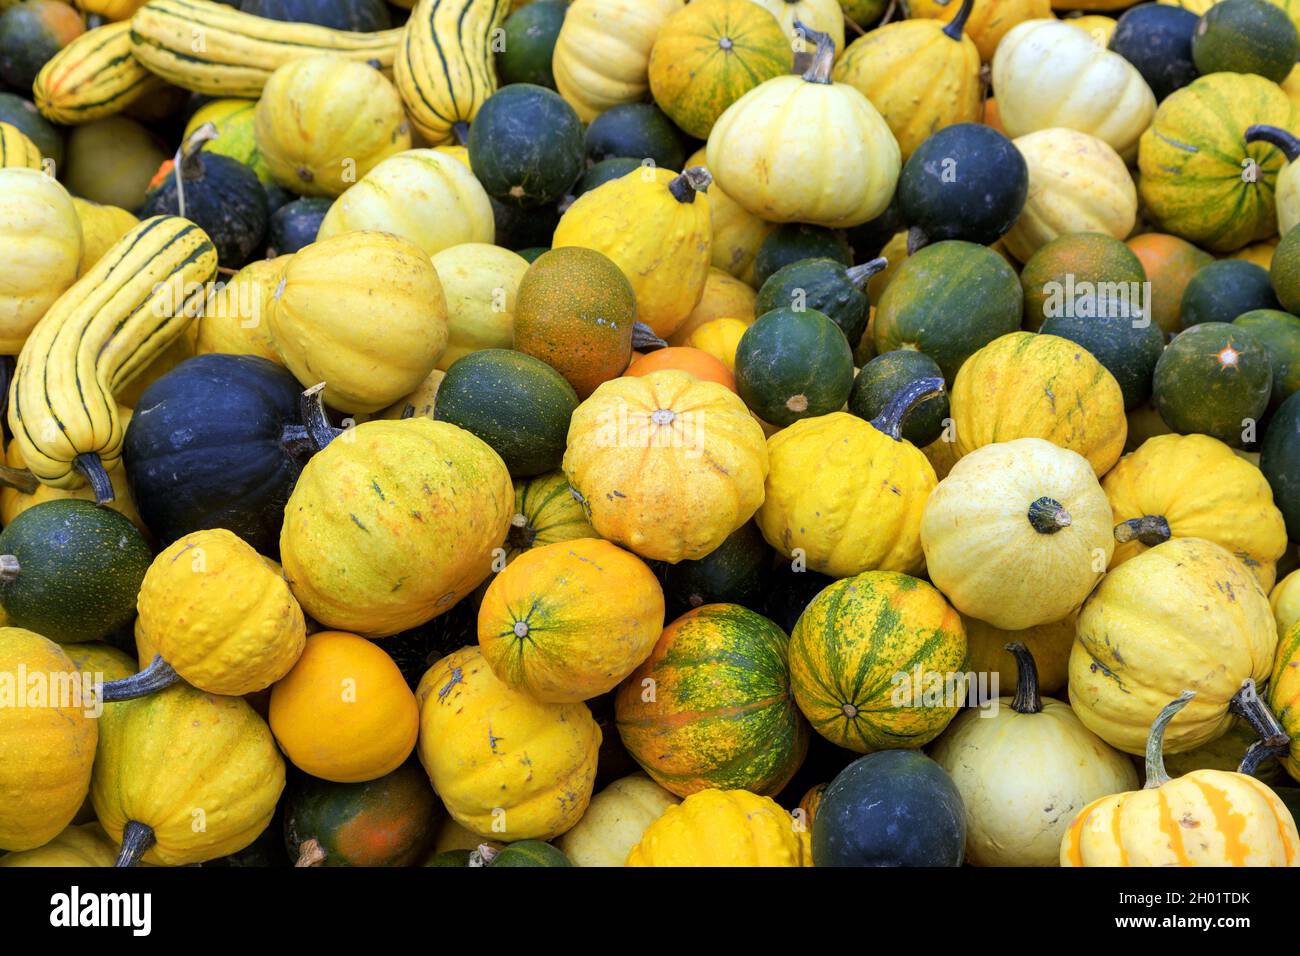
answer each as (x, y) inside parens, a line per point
(444, 68)
(16, 150)
(95, 75)
(212, 48)
(94, 339)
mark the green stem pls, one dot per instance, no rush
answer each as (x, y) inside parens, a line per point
(823, 58)
(1028, 700)
(1156, 775)
(157, 676)
(137, 840)
(890, 419)
(957, 25)
(88, 465)
(1151, 530)
(1048, 516)
(1280, 138)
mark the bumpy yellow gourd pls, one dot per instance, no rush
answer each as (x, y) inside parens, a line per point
(41, 234)
(615, 820)
(722, 828)
(481, 283)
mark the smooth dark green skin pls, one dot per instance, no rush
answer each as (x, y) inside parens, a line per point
(266, 851)
(525, 145)
(1220, 291)
(1128, 352)
(735, 572)
(821, 284)
(530, 853)
(25, 46)
(81, 567)
(449, 858)
(1279, 460)
(224, 198)
(1284, 273)
(868, 239)
(529, 44)
(793, 241)
(890, 808)
(517, 404)
(1121, 266)
(883, 377)
(1195, 394)
(520, 228)
(22, 113)
(1245, 36)
(1157, 40)
(533, 253)
(788, 353)
(1279, 333)
(637, 131)
(607, 170)
(296, 223)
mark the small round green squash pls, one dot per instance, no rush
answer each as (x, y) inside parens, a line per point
(525, 145)
(529, 44)
(605, 171)
(1279, 333)
(1279, 460)
(1245, 36)
(735, 572)
(23, 114)
(1214, 379)
(1220, 291)
(637, 131)
(1082, 273)
(884, 377)
(30, 34)
(792, 241)
(826, 286)
(792, 365)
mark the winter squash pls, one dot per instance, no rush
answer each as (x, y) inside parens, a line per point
(721, 715)
(525, 146)
(22, 114)
(1048, 644)
(1169, 264)
(93, 76)
(1285, 600)
(31, 34)
(791, 242)
(793, 364)
(1283, 271)
(1024, 385)
(857, 657)
(849, 181)
(101, 227)
(989, 19)
(666, 465)
(1129, 650)
(1278, 461)
(14, 501)
(524, 853)
(1241, 36)
(16, 150)
(1279, 333)
(1065, 277)
(883, 376)
(708, 55)
(722, 828)
(1018, 533)
(96, 657)
(1157, 39)
(234, 318)
(568, 621)
(1282, 685)
(1223, 290)
(737, 233)
(1019, 819)
(735, 572)
(480, 282)
(821, 285)
(1288, 180)
(506, 766)
(111, 161)
(39, 223)
(296, 224)
(358, 16)
(84, 845)
(402, 476)
(528, 43)
(615, 821)
(545, 513)
(641, 132)
(49, 745)
(681, 358)
(798, 18)
(1216, 379)
(719, 338)
(1194, 486)
(725, 297)
(1126, 346)
(233, 119)
(921, 74)
(344, 713)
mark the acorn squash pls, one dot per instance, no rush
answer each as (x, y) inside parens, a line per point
(1215, 379)
(793, 364)
(1279, 460)
(1279, 333)
(526, 145)
(1246, 37)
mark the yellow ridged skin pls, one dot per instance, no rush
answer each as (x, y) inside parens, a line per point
(101, 226)
(722, 828)
(1184, 615)
(85, 845)
(1203, 490)
(178, 758)
(983, 551)
(545, 513)
(602, 54)
(1285, 601)
(324, 122)
(568, 621)
(667, 465)
(825, 16)
(737, 233)
(1050, 645)
(93, 76)
(1030, 385)
(615, 821)
(425, 195)
(219, 615)
(847, 496)
(236, 321)
(47, 740)
(314, 313)
(724, 296)
(1288, 198)
(1284, 688)
(444, 66)
(918, 77)
(989, 20)
(1049, 74)
(506, 766)
(240, 51)
(105, 330)
(41, 235)
(371, 539)
(481, 282)
(16, 150)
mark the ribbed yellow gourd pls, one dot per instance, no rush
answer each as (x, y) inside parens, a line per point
(722, 828)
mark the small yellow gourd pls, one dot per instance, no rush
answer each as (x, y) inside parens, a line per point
(723, 828)
(1285, 601)
(737, 232)
(84, 845)
(989, 21)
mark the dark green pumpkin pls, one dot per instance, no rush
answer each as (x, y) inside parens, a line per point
(1157, 39)
(1084, 274)
(1128, 350)
(884, 376)
(529, 43)
(23, 114)
(295, 224)
(358, 16)
(31, 33)
(792, 365)
(525, 145)
(519, 227)
(71, 570)
(1245, 36)
(948, 300)
(1279, 460)
(826, 286)
(530, 853)
(637, 131)
(266, 851)
(1214, 379)
(277, 197)
(868, 239)
(890, 808)
(735, 572)
(517, 404)
(1279, 333)
(793, 241)
(1220, 291)
(605, 171)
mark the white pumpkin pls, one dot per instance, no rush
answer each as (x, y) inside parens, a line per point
(615, 820)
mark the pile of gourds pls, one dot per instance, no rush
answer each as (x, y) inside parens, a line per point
(650, 433)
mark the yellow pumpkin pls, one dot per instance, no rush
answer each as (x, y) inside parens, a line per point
(1048, 644)
(665, 464)
(545, 513)
(602, 53)
(654, 225)
(480, 282)
(424, 195)
(823, 16)
(323, 122)
(16, 150)
(1018, 533)
(720, 338)
(724, 296)
(1077, 183)
(84, 845)
(1184, 614)
(1195, 486)
(101, 227)
(921, 74)
(1206, 818)
(14, 502)
(1049, 74)
(41, 236)
(568, 621)
(235, 320)
(506, 766)
(1285, 601)
(737, 232)
(440, 499)
(722, 828)
(362, 312)
(615, 821)
(847, 179)
(47, 739)
(989, 20)
(1031, 385)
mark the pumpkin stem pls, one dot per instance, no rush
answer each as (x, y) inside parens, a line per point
(644, 338)
(1151, 530)
(1156, 775)
(1048, 516)
(1028, 700)
(1273, 740)
(88, 465)
(859, 274)
(157, 676)
(957, 24)
(461, 132)
(20, 479)
(916, 240)
(9, 568)
(691, 181)
(310, 854)
(1280, 138)
(137, 839)
(819, 71)
(315, 432)
(890, 419)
